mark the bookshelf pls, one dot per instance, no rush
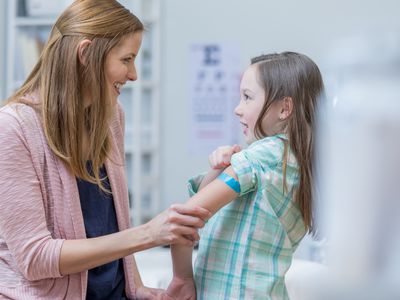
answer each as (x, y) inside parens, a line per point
(28, 24)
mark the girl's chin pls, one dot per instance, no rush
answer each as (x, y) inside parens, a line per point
(249, 139)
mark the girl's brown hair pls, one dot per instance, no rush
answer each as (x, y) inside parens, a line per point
(60, 80)
(295, 76)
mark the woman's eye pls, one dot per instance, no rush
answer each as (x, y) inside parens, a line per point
(127, 60)
(246, 97)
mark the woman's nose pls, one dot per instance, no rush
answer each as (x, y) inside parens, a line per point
(132, 75)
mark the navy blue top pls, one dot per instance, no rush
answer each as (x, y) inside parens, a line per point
(106, 281)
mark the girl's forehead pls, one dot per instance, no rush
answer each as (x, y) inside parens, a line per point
(250, 73)
(249, 78)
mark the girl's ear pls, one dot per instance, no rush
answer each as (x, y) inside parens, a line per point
(82, 47)
(286, 108)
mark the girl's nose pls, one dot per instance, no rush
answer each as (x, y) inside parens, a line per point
(238, 110)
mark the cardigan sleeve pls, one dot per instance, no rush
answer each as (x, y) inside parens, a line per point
(23, 224)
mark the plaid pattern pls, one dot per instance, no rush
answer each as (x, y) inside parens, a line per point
(247, 247)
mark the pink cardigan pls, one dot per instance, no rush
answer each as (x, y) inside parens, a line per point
(40, 208)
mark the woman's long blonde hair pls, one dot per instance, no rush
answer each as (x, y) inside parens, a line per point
(294, 75)
(60, 80)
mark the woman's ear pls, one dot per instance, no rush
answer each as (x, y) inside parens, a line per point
(286, 108)
(82, 47)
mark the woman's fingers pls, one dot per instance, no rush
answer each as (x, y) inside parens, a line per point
(178, 225)
(194, 211)
(183, 237)
(185, 220)
(184, 241)
(188, 233)
(145, 293)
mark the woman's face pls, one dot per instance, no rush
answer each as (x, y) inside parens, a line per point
(120, 63)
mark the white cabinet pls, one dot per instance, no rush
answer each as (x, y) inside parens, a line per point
(28, 26)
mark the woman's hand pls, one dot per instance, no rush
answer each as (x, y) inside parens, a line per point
(145, 293)
(221, 157)
(181, 289)
(177, 225)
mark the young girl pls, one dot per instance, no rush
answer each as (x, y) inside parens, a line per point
(261, 197)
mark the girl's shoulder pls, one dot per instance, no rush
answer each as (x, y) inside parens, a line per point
(269, 143)
(268, 150)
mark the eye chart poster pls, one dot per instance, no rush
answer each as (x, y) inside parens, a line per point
(215, 72)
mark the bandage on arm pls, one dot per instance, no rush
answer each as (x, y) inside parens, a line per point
(230, 181)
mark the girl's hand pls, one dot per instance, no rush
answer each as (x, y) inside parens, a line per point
(145, 293)
(181, 289)
(177, 225)
(221, 157)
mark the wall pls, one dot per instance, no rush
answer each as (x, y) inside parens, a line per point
(259, 26)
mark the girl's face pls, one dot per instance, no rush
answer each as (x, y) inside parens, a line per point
(120, 63)
(252, 99)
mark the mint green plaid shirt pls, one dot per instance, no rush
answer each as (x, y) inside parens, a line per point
(246, 247)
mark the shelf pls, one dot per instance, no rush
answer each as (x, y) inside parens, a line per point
(148, 149)
(17, 84)
(149, 21)
(30, 21)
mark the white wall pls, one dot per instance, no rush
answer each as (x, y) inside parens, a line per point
(259, 26)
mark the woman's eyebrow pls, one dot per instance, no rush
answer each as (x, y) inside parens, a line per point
(131, 54)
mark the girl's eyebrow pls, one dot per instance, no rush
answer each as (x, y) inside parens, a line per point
(246, 90)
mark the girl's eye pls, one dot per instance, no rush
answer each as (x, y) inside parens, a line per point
(246, 97)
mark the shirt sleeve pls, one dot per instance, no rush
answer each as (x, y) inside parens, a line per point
(243, 165)
(23, 224)
(194, 184)
(253, 164)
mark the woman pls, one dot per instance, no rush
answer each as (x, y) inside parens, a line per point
(64, 199)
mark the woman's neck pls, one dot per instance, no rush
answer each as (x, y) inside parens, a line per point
(86, 144)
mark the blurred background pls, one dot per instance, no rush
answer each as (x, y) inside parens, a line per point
(181, 108)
